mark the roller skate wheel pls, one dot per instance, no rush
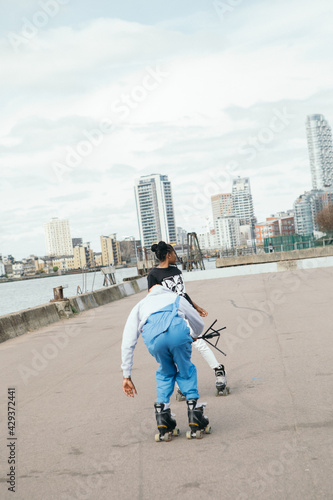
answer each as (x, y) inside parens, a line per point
(217, 392)
(176, 432)
(189, 435)
(208, 429)
(199, 434)
(157, 438)
(167, 436)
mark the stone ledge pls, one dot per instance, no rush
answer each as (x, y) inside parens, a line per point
(15, 324)
(308, 253)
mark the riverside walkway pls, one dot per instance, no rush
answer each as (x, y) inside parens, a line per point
(79, 437)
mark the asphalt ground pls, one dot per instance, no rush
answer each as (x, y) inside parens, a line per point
(79, 437)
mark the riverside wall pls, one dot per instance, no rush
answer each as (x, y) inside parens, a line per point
(15, 324)
(308, 253)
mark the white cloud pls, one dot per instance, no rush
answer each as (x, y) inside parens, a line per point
(225, 79)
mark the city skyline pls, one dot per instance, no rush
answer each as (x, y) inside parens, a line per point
(90, 103)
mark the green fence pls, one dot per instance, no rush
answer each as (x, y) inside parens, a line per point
(289, 242)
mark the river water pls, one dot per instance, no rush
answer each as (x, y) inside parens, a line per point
(18, 295)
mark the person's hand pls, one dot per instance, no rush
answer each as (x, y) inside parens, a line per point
(129, 387)
(202, 312)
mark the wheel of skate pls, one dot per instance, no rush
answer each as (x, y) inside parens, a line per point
(208, 429)
(199, 434)
(189, 435)
(217, 392)
(167, 436)
(225, 392)
(176, 432)
(228, 390)
(157, 438)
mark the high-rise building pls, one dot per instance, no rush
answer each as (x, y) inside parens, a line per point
(306, 208)
(242, 201)
(319, 136)
(222, 205)
(155, 211)
(181, 236)
(110, 250)
(58, 237)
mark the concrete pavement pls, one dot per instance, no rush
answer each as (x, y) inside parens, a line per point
(79, 437)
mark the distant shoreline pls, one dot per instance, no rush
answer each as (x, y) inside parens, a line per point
(56, 275)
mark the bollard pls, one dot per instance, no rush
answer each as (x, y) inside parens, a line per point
(58, 293)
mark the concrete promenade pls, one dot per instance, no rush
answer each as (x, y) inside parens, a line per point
(79, 437)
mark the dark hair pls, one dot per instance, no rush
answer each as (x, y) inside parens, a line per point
(161, 250)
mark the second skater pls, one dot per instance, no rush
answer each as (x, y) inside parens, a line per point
(161, 318)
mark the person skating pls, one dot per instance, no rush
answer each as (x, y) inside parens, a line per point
(168, 275)
(161, 317)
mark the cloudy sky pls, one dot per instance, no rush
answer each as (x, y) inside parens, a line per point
(96, 93)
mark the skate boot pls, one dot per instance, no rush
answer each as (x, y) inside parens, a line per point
(166, 424)
(180, 396)
(221, 381)
(197, 421)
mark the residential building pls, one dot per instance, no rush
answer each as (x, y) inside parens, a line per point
(58, 238)
(76, 242)
(306, 208)
(111, 255)
(64, 262)
(154, 204)
(181, 236)
(227, 232)
(286, 222)
(222, 205)
(9, 270)
(207, 240)
(98, 259)
(280, 224)
(2, 268)
(242, 202)
(83, 256)
(267, 229)
(129, 249)
(17, 269)
(319, 137)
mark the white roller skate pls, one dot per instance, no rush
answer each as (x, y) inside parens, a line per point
(221, 381)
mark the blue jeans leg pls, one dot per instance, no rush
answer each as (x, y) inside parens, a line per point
(186, 376)
(166, 372)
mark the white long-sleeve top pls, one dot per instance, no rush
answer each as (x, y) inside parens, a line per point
(158, 298)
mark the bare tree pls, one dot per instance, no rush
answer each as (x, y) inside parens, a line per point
(325, 220)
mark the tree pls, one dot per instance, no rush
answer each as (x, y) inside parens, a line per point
(55, 269)
(325, 220)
